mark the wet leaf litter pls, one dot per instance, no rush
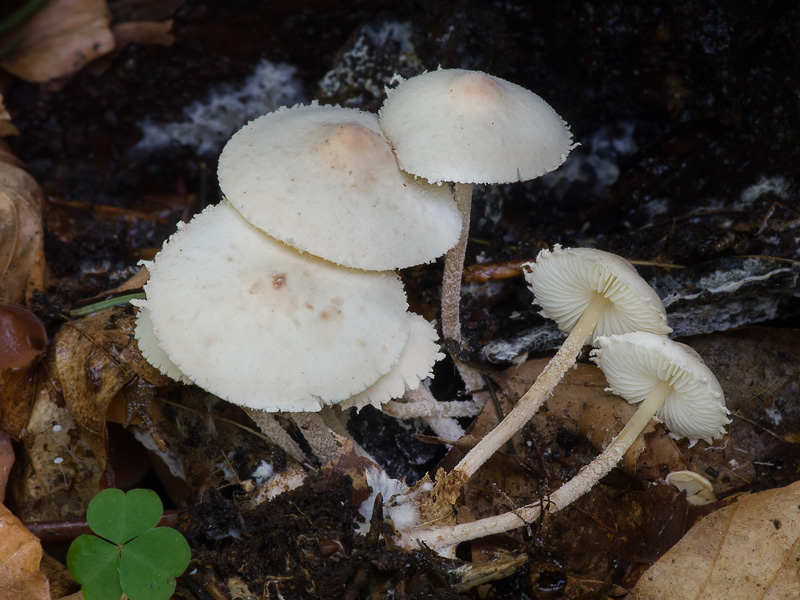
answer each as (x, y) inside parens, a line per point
(653, 181)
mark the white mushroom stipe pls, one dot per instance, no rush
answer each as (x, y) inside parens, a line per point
(258, 324)
(583, 290)
(664, 377)
(324, 180)
(469, 127)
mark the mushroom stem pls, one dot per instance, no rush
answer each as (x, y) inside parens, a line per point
(440, 538)
(453, 271)
(541, 389)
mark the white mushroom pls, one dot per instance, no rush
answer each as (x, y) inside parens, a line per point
(257, 323)
(324, 180)
(416, 363)
(468, 127)
(699, 490)
(588, 293)
(151, 351)
(665, 378)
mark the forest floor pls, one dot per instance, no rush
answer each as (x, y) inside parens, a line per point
(687, 115)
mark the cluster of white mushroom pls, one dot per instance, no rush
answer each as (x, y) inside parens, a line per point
(281, 297)
(599, 297)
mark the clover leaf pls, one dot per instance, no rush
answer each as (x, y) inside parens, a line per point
(136, 557)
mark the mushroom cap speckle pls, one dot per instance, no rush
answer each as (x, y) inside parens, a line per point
(261, 325)
(324, 180)
(565, 280)
(470, 127)
(634, 363)
(415, 364)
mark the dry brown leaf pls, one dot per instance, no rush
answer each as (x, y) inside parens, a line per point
(18, 391)
(97, 356)
(143, 32)
(6, 462)
(59, 39)
(6, 126)
(749, 550)
(21, 234)
(20, 555)
(57, 473)
(59, 577)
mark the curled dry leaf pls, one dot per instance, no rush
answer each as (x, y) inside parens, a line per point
(746, 551)
(95, 357)
(20, 555)
(57, 474)
(21, 235)
(62, 37)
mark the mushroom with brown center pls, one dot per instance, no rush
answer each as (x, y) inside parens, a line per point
(257, 323)
(468, 127)
(324, 180)
(665, 378)
(588, 293)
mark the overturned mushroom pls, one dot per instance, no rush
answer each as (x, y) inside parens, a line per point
(468, 127)
(665, 378)
(324, 180)
(588, 293)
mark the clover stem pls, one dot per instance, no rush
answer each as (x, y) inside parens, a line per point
(453, 270)
(541, 389)
(440, 538)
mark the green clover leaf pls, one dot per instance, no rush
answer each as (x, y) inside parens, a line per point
(95, 564)
(119, 517)
(150, 563)
(143, 560)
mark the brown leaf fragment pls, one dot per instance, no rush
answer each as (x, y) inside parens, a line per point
(59, 39)
(20, 556)
(746, 551)
(6, 126)
(58, 473)
(6, 462)
(21, 234)
(97, 356)
(143, 32)
(18, 391)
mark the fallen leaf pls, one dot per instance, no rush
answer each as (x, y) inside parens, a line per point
(57, 473)
(746, 551)
(59, 39)
(20, 556)
(6, 462)
(6, 126)
(21, 234)
(18, 391)
(143, 32)
(96, 357)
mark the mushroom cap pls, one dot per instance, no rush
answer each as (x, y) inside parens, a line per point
(415, 364)
(324, 180)
(261, 325)
(565, 280)
(148, 345)
(470, 127)
(634, 363)
(699, 490)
